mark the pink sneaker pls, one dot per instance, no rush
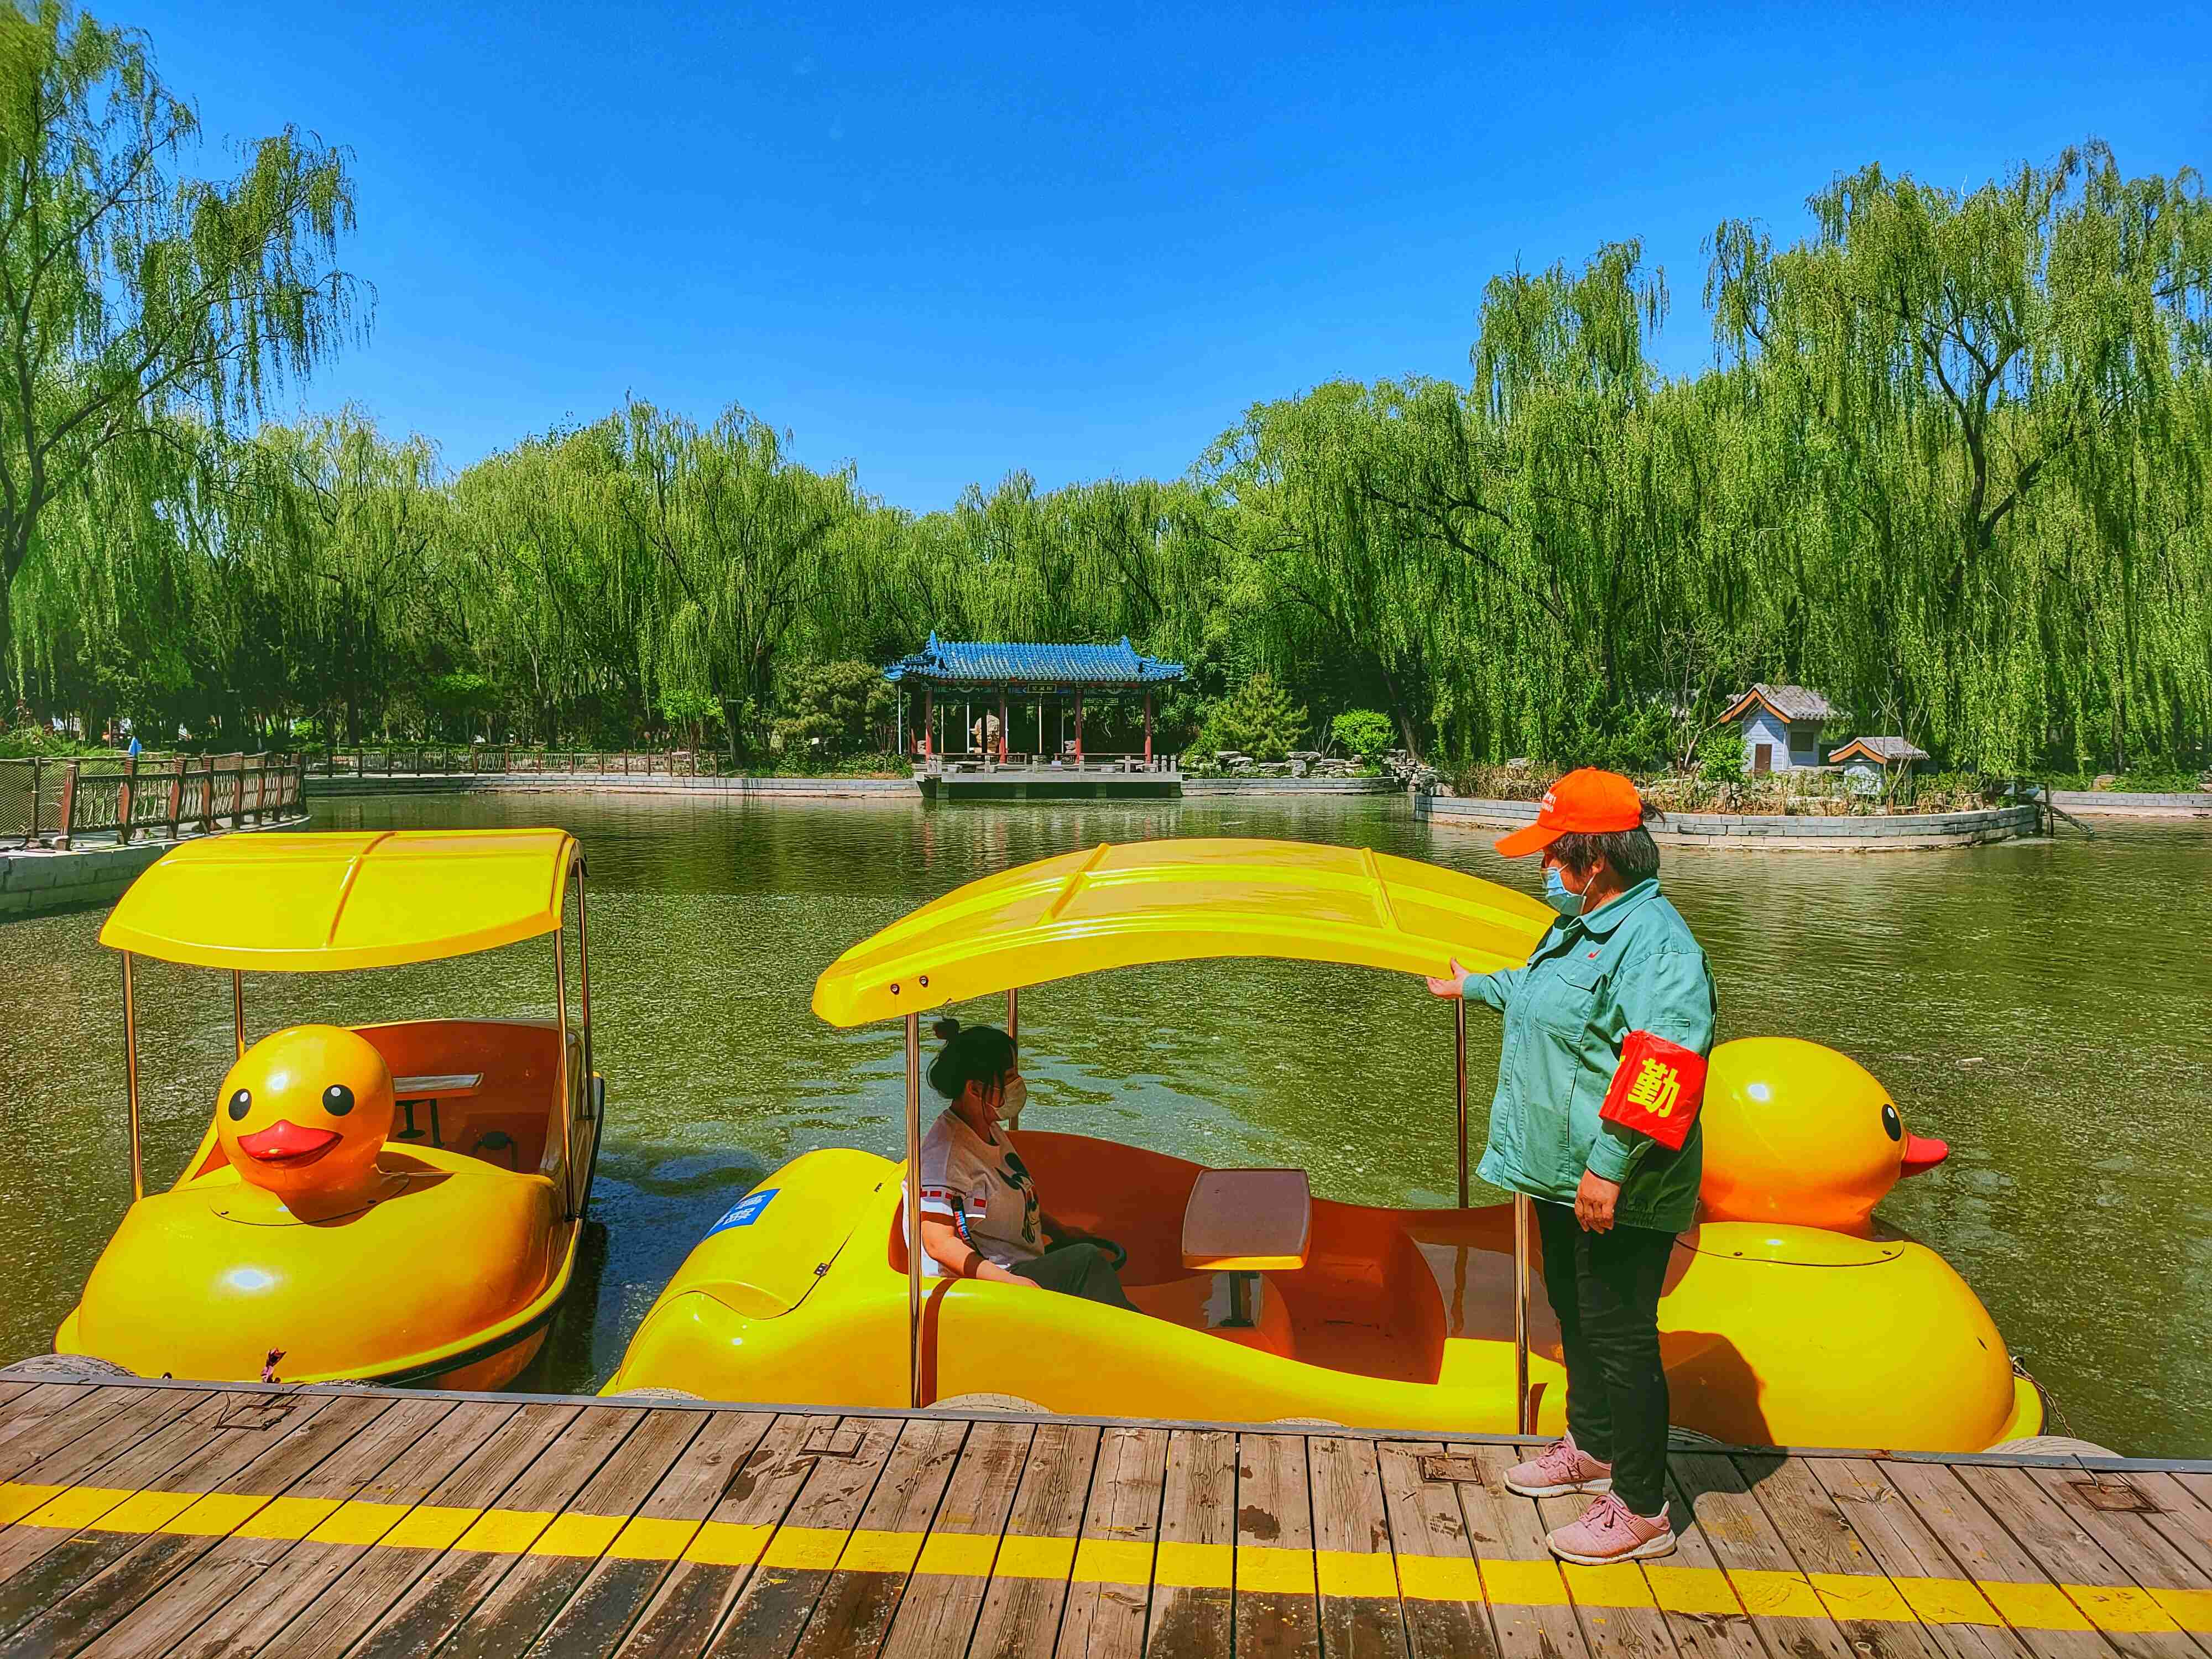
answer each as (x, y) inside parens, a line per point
(1609, 1532)
(1561, 1468)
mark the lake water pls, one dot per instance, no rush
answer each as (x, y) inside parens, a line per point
(2041, 1006)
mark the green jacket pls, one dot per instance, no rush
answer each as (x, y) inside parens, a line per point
(1631, 965)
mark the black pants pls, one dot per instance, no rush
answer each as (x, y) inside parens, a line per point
(1605, 1288)
(1083, 1270)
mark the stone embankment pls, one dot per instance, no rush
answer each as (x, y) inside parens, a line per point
(1869, 833)
(2114, 803)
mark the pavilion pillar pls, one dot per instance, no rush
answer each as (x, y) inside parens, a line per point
(1002, 726)
(1078, 726)
(1148, 728)
(929, 714)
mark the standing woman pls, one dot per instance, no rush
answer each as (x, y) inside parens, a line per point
(1607, 1027)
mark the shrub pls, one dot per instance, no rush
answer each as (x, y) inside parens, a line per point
(689, 712)
(1364, 733)
(830, 709)
(1257, 719)
(1721, 754)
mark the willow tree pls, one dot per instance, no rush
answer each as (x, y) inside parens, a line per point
(128, 291)
(1964, 359)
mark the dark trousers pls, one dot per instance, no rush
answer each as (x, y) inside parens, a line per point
(1083, 1270)
(1605, 1288)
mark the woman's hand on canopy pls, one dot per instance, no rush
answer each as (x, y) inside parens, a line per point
(1454, 987)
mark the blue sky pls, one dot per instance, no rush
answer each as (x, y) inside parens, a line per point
(946, 244)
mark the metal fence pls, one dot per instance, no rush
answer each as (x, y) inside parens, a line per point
(432, 760)
(55, 803)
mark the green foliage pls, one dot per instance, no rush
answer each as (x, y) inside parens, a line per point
(1257, 719)
(1721, 755)
(691, 714)
(1949, 470)
(1365, 734)
(832, 710)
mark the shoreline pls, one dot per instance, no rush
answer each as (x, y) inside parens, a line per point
(1898, 832)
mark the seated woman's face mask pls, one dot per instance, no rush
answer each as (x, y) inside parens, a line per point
(1011, 1099)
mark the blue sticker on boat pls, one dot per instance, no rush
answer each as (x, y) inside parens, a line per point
(746, 1211)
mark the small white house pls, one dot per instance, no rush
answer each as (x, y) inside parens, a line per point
(1781, 727)
(1868, 763)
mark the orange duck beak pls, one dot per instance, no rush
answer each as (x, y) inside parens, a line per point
(286, 1142)
(1921, 1152)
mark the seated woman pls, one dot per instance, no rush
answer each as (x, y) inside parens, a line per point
(979, 1216)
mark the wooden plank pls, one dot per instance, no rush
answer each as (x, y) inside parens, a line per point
(533, 1592)
(1703, 1613)
(1446, 1617)
(937, 1615)
(250, 1555)
(623, 1584)
(1960, 1621)
(1110, 1584)
(854, 1612)
(2145, 1554)
(778, 1598)
(409, 1546)
(1764, 1575)
(473, 1562)
(1278, 1596)
(256, 1612)
(1868, 1607)
(2065, 1552)
(1022, 1608)
(2184, 1518)
(137, 1564)
(1358, 1568)
(59, 1449)
(1194, 1586)
(194, 1455)
(1529, 1605)
(1614, 1612)
(2007, 1576)
(41, 1411)
(722, 1557)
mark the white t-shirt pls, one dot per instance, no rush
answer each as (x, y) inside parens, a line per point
(983, 1188)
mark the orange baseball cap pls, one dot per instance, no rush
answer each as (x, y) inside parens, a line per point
(1585, 802)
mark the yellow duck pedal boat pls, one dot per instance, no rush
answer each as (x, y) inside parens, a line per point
(1789, 1316)
(396, 1203)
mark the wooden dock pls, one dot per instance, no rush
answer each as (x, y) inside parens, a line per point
(162, 1520)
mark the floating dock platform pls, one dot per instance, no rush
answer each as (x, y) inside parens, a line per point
(162, 1520)
(1093, 780)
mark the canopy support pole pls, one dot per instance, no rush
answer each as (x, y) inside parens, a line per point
(238, 1010)
(1520, 1214)
(567, 1094)
(1459, 1045)
(914, 1209)
(131, 1075)
(584, 976)
(1013, 1015)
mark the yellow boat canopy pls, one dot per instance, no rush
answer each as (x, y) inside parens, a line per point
(319, 903)
(1174, 901)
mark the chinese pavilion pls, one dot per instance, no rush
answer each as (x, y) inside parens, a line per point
(981, 705)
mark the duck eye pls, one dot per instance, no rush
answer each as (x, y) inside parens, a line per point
(1891, 1123)
(241, 1103)
(338, 1100)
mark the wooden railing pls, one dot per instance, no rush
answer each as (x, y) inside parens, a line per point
(52, 803)
(434, 760)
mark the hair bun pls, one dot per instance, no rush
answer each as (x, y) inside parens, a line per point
(946, 1029)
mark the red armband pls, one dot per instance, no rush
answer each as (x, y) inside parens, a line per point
(1656, 1089)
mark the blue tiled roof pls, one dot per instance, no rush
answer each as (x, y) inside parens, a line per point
(956, 662)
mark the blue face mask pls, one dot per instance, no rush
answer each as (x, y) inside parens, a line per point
(1559, 894)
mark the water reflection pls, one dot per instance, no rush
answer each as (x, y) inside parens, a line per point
(2039, 1006)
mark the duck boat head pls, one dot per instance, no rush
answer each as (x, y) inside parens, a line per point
(1796, 1133)
(304, 1113)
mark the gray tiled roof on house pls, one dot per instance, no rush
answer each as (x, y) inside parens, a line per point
(1792, 702)
(1881, 749)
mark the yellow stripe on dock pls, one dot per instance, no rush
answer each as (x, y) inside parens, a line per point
(2115, 1609)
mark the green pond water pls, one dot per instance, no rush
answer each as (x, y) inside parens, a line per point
(2043, 1007)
